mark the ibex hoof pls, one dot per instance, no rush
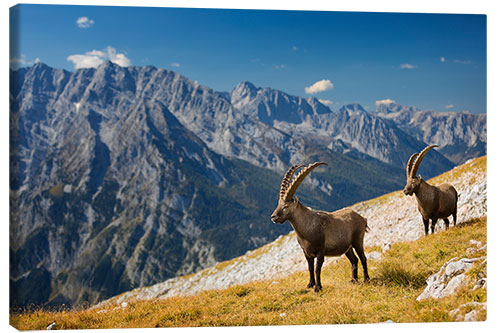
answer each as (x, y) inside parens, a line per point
(311, 284)
(318, 288)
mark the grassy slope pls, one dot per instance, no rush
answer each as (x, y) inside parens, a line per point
(397, 280)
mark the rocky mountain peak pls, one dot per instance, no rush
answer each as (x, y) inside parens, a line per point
(245, 88)
(352, 108)
(271, 105)
(40, 66)
(392, 107)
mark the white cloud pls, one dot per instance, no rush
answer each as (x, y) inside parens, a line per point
(175, 64)
(117, 58)
(295, 48)
(384, 101)
(15, 63)
(442, 59)
(84, 22)
(319, 86)
(86, 60)
(407, 66)
(449, 106)
(18, 62)
(280, 66)
(95, 57)
(325, 101)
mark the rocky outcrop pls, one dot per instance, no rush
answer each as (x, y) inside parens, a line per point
(468, 311)
(453, 277)
(450, 279)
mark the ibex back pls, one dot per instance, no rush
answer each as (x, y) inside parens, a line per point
(320, 233)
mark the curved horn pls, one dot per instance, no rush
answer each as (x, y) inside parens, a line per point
(419, 159)
(300, 177)
(410, 164)
(286, 179)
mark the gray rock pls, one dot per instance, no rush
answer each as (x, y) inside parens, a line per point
(469, 316)
(453, 286)
(450, 278)
(374, 255)
(481, 283)
(475, 242)
(386, 247)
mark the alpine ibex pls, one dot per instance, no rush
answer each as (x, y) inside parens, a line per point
(320, 233)
(434, 202)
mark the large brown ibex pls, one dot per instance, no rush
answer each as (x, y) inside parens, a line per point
(434, 202)
(320, 233)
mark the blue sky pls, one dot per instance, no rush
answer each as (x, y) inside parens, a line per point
(431, 61)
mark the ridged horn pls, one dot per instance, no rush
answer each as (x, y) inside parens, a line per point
(410, 164)
(285, 184)
(297, 180)
(420, 156)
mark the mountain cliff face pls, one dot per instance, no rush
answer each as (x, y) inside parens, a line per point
(459, 135)
(111, 191)
(351, 129)
(125, 177)
(270, 105)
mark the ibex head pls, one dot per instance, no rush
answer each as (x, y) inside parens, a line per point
(287, 202)
(412, 181)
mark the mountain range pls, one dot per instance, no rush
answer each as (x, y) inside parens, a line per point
(125, 177)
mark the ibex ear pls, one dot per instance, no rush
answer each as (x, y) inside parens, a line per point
(295, 199)
(419, 178)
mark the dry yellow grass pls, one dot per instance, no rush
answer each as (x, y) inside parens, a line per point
(397, 280)
(475, 167)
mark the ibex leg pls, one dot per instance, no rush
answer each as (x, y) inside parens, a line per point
(354, 264)
(433, 226)
(426, 225)
(361, 254)
(310, 263)
(319, 263)
(446, 223)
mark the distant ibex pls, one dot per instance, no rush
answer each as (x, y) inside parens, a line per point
(434, 202)
(320, 233)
